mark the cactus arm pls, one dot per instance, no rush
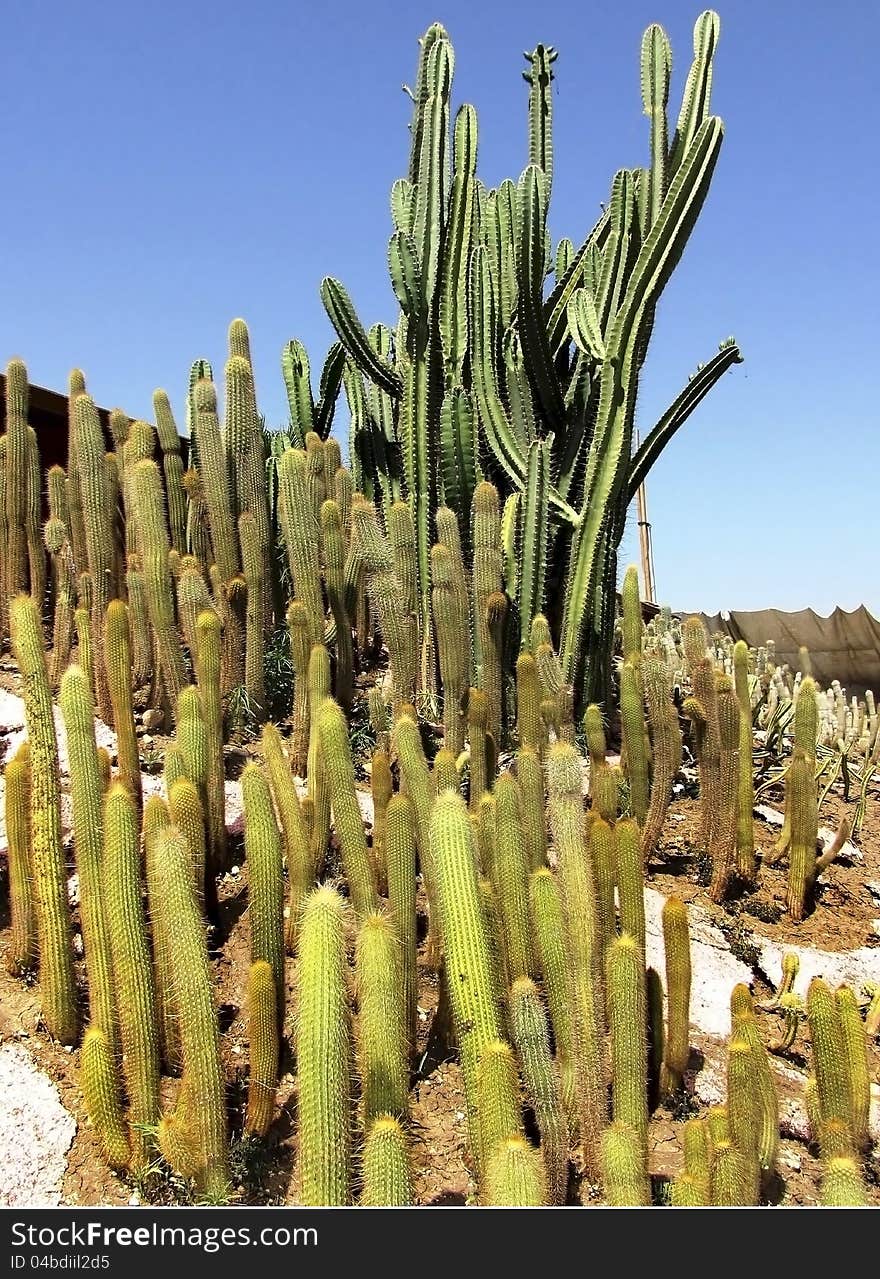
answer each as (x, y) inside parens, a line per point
(583, 321)
(457, 450)
(535, 532)
(328, 389)
(699, 385)
(351, 334)
(297, 382)
(457, 244)
(557, 303)
(483, 327)
(539, 78)
(698, 89)
(656, 67)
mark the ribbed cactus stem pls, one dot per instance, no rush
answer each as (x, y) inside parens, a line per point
(510, 879)
(632, 723)
(57, 983)
(98, 523)
(400, 860)
(347, 819)
(530, 729)
(300, 648)
(498, 1097)
(172, 465)
(132, 973)
(21, 954)
(804, 823)
(855, 1044)
(530, 776)
(333, 541)
(468, 956)
(264, 1048)
(843, 1185)
(487, 586)
(142, 654)
(564, 772)
(319, 787)
(99, 1081)
(732, 1185)
(665, 748)
(630, 881)
(262, 844)
(299, 521)
(478, 723)
(723, 847)
(744, 1108)
(603, 854)
(631, 619)
(208, 675)
(381, 789)
(154, 547)
(745, 833)
(831, 1067)
(623, 1167)
(215, 481)
(381, 1034)
(188, 815)
(87, 793)
(515, 1176)
(199, 1032)
(452, 628)
(677, 946)
(386, 1171)
(549, 932)
(323, 1050)
(255, 579)
(414, 770)
(117, 655)
(541, 1079)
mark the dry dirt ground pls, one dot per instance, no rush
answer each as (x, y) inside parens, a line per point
(843, 919)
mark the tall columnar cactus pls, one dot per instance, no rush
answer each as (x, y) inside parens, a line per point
(208, 675)
(630, 881)
(264, 1048)
(510, 878)
(732, 1185)
(623, 1167)
(398, 626)
(744, 1110)
(831, 1068)
(188, 815)
(472, 983)
(632, 721)
(400, 862)
(602, 837)
(16, 472)
(21, 954)
(323, 1051)
(723, 848)
(381, 790)
(262, 845)
(745, 833)
(420, 788)
(246, 458)
(744, 1026)
(530, 776)
(855, 1045)
(549, 932)
(702, 710)
(293, 831)
(477, 725)
(381, 1030)
(541, 1079)
(564, 772)
(215, 480)
(87, 793)
(625, 980)
(801, 801)
(57, 982)
(452, 630)
(677, 945)
(319, 787)
(487, 592)
(172, 466)
(98, 524)
(843, 1185)
(665, 748)
(154, 548)
(255, 579)
(530, 729)
(141, 643)
(299, 521)
(99, 1081)
(132, 973)
(347, 819)
(203, 1084)
(498, 1097)
(333, 543)
(300, 647)
(386, 1172)
(117, 655)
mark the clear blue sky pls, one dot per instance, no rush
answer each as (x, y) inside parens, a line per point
(167, 167)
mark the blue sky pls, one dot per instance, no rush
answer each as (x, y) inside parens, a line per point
(167, 167)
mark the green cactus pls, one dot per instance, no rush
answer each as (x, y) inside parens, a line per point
(744, 1109)
(347, 819)
(262, 844)
(855, 1044)
(157, 818)
(386, 1172)
(57, 982)
(745, 833)
(87, 793)
(831, 1067)
(21, 954)
(549, 932)
(444, 773)
(497, 1097)
(744, 1026)
(99, 1081)
(687, 1192)
(677, 948)
(564, 773)
(804, 823)
(299, 521)
(530, 776)
(515, 1176)
(732, 1179)
(264, 1048)
(665, 748)
(627, 1015)
(630, 881)
(530, 730)
(188, 815)
(623, 1167)
(382, 1032)
(132, 976)
(323, 1051)
(632, 722)
(319, 788)
(99, 535)
(723, 845)
(255, 579)
(117, 655)
(215, 480)
(541, 1079)
(199, 1033)
(602, 839)
(333, 541)
(843, 1185)
(487, 586)
(451, 627)
(154, 545)
(400, 860)
(142, 655)
(478, 723)
(296, 845)
(510, 878)
(208, 676)
(172, 466)
(472, 982)
(414, 771)
(696, 1146)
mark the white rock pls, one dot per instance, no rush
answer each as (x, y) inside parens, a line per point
(841, 967)
(35, 1133)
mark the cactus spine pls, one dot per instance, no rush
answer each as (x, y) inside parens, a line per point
(855, 1044)
(625, 967)
(515, 1176)
(263, 854)
(100, 1087)
(400, 858)
(57, 983)
(255, 580)
(336, 753)
(117, 655)
(549, 931)
(529, 1025)
(623, 1167)
(382, 1040)
(510, 879)
(677, 946)
(386, 1172)
(296, 843)
(323, 1050)
(208, 674)
(745, 832)
(154, 548)
(830, 1066)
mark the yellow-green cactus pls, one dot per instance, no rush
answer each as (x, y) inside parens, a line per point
(99, 1081)
(21, 954)
(515, 1176)
(262, 844)
(347, 819)
(623, 1167)
(117, 655)
(400, 857)
(677, 945)
(381, 1032)
(264, 1048)
(541, 1078)
(386, 1171)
